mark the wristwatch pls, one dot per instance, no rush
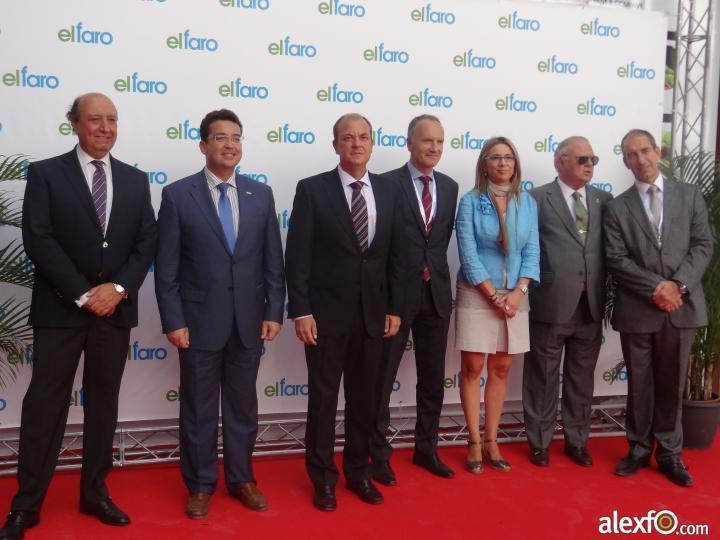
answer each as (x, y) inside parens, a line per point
(120, 290)
(683, 288)
(523, 289)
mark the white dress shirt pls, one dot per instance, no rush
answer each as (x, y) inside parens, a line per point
(366, 192)
(213, 183)
(642, 188)
(568, 192)
(419, 185)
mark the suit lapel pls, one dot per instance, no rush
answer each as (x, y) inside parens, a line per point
(557, 202)
(201, 194)
(637, 211)
(337, 200)
(408, 187)
(244, 194)
(76, 178)
(594, 214)
(670, 208)
(382, 207)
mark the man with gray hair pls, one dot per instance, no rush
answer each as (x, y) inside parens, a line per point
(566, 306)
(426, 216)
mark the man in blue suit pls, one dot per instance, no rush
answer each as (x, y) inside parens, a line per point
(220, 287)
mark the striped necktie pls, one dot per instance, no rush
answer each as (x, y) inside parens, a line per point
(99, 192)
(427, 208)
(359, 214)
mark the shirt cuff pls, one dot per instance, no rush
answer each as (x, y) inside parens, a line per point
(80, 302)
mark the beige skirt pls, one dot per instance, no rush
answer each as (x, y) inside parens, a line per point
(480, 327)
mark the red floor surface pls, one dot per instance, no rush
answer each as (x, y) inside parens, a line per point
(563, 501)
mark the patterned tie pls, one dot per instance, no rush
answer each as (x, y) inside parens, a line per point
(581, 216)
(427, 208)
(359, 214)
(655, 208)
(225, 214)
(99, 192)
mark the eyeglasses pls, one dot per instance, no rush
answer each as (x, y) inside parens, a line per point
(582, 160)
(497, 159)
(222, 138)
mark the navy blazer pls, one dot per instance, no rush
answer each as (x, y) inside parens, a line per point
(64, 240)
(203, 285)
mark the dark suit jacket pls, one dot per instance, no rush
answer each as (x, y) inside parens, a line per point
(638, 264)
(204, 285)
(565, 261)
(328, 275)
(64, 240)
(416, 250)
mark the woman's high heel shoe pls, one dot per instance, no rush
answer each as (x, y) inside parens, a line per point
(496, 464)
(473, 464)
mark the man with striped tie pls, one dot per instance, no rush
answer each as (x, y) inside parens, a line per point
(89, 229)
(344, 278)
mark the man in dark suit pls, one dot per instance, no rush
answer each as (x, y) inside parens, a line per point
(658, 244)
(343, 280)
(89, 229)
(221, 292)
(566, 306)
(426, 215)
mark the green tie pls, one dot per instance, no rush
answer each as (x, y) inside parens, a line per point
(581, 216)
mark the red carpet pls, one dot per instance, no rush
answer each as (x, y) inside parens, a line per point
(563, 501)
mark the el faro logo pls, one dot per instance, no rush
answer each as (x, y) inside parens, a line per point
(285, 47)
(597, 29)
(470, 60)
(186, 41)
(425, 99)
(426, 14)
(134, 84)
(380, 54)
(183, 132)
(340, 9)
(388, 140)
(263, 5)
(467, 141)
(284, 135)
(514, 22)
(512, 104)
(634, 71)
(553, 65)
(593, 108)
(77, 34)
(333, 94)
(237, 89)
(23, 78)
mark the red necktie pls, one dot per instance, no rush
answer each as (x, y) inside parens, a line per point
(427, 207)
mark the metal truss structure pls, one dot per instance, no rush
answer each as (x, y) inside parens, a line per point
(137, 444)
(690, 91)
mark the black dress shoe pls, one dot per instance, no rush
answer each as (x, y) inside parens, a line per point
(630, 464)
(579, 455)
(17, 522)
(366, 491)
(539, 457)
(324, 498)
(676, 471)
(432, 463)
(105, 511)
(383, 473)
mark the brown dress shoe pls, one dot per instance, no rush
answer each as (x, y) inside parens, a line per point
(197, 505)
(250, 495)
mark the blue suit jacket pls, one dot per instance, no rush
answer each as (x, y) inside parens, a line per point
(200, 282)
(477, 230)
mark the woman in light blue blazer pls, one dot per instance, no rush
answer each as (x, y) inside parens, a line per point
(497, 235)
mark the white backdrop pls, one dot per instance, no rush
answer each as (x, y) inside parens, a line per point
(534, 72)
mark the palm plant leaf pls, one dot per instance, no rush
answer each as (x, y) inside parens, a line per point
(15, 337)
(13, 167)
(13, 268)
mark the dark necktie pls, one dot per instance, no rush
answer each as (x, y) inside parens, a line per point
(225, 214)
(581, 216)
(99, 192)
(359, 214)
(427, 208)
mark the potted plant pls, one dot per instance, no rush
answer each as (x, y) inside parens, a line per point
(701, 405)
(15, 334)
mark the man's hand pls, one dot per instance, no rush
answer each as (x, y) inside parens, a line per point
(306, 330)
(270, 329)
(392, 325)
(102, 300)
(667, 296)
(180, 338)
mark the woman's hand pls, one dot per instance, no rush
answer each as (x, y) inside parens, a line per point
(512, 302)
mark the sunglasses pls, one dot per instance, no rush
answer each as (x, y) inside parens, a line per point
(582, 160)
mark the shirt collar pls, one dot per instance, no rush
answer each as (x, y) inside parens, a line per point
(348, 179)
(86, 158)
(415, 174)
(642, 187)
(215, 181)
(567, 191)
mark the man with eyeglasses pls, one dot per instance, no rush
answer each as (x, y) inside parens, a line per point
(566, 306)
(659, 244)
(220, 287)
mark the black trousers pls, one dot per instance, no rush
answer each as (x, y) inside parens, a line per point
(429, 332)
(56, 353)
(355, 358)
(208, 379)
(580, 338)
(657, 365)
